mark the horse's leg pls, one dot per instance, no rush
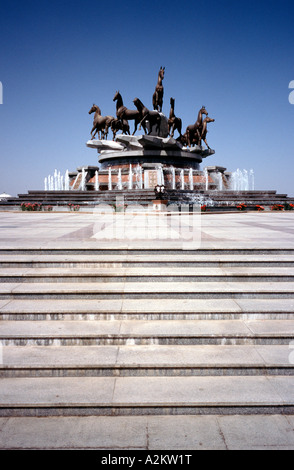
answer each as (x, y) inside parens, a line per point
(199, 137)
(188, 138)
(144, 127)
(154, 100)
(93, 129)
(158, 122)
(126, 129)
(180, 126)
(135, 126)
(114, 130)
(151, 123)
(204, 140)
(141, 122)
(160, 104)
(171, 133)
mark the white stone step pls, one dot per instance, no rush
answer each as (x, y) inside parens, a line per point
(224, 331)
(148, 435)
(156, 309)
(139, 274)
(117, 260)
(151, 356)
(144, 395)
(152, 288)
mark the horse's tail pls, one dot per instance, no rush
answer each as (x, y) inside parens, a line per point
(144, 118)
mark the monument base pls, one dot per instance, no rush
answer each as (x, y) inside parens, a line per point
(159, 205)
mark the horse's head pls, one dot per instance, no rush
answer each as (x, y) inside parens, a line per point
(94, 109)
(161, 72)
(203, 111)
(172, 102)
(116, 96)
(208, 119)
(138, 103)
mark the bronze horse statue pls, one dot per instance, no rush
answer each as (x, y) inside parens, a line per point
(118, 125)
(157, 98)
(153, 117)
(204, 130)
(196, 140)
(193, 132)
(101, 124)
(174, 123)
(125, 114)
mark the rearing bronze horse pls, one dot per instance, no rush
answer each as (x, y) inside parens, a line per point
(204, 130)
(125, 114)
(194, 131)
(152, 117)
(157, 98)
(100, 123)
(174, 123)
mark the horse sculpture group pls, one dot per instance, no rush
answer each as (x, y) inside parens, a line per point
(147, 119)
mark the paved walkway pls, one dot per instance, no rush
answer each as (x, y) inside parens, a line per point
(66, 229)
(211, 432)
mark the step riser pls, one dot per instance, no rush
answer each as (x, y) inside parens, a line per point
(146, 316)
(146, 296)
(144, 372)
(109, 251)
(147, 264)
(106, 279)
(145, 410)
(122, 341)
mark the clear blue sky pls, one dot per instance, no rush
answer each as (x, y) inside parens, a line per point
(60, 57)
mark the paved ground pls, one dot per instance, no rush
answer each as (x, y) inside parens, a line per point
(149, 432)
(232, 230)
(45, 230)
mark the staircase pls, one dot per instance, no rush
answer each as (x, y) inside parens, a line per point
(136, 332)
(222, 199)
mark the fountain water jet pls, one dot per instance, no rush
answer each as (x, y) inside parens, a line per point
(83, 182)
(173, 177)
(191, 178)
(66, 181)
(109, 179)
(130, 177)
(206, 178)
(119, 183)
(251, 180)
(242, 181)
(96, 180)
(182, 179)
(161, 176)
